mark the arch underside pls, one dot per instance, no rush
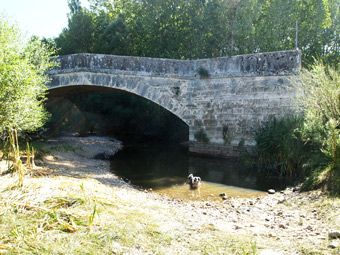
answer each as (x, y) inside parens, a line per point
(146, 87)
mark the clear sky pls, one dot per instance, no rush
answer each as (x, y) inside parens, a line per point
(44, 18)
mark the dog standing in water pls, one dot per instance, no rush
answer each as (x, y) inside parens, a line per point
(193, 181)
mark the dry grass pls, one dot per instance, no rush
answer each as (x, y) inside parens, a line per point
(61, 215)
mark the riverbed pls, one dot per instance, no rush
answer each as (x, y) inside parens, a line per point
(163, 168)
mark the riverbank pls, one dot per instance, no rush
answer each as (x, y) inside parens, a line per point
(84, 157)
(77, 206)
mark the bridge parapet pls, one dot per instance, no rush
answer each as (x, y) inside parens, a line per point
(260, 64)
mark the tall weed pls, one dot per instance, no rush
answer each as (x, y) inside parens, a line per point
(280, 147)
(318, 97)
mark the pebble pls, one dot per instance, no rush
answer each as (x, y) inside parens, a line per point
(222, 195)
(333, 234)
(237, 227)
(310, 228)
(296, 189)
(333, 245)
(282, 226)
(271, 191)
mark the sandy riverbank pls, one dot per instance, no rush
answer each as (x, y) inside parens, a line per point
(288, 222)
(76, 157)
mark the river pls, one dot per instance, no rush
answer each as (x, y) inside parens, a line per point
(164, 168)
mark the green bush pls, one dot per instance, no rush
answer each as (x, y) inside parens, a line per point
(318, 96)
(201, 136)
(203, 73)
(279, 150)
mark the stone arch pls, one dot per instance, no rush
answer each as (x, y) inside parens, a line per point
(133, 85)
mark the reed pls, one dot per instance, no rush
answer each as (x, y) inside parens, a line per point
(32, 158)
(280, 148)
(28, 156)
(91, 218)
(14, 154)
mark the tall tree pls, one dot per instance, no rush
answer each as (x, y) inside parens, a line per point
(331, 49)
(203, 28)
(23, 67)
(74, 6)
(276, 21)
(79, 36)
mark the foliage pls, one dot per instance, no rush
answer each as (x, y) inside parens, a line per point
(280, 147)
(310, 146)
(318, 96)
(80, 34)
(318, 91)
(227, 137)
(201, 136)
(203, 29)
(22, 79)
(203, 73)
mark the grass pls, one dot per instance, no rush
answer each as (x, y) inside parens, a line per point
(59, 215)
(324, 176)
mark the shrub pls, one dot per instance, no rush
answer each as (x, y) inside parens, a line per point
(279, 150)
(203, 73)
(201, 136)
(318, 96)
(226, 136)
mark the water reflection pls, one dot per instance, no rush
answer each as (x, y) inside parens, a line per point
(228, 172)
(152, 165)
(164, 168)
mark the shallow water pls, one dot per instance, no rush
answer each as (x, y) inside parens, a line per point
(164, 168)
(207, 191)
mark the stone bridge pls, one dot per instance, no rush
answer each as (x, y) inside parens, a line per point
(225, 98)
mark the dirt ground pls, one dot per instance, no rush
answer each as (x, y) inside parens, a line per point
(77, 159)
(288, 222)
